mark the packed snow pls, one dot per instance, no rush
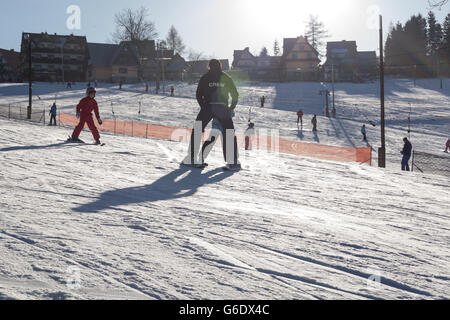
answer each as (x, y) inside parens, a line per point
(124, 221)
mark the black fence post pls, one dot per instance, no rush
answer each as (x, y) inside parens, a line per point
(412, 165)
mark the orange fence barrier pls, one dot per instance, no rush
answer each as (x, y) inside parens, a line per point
(262, 142)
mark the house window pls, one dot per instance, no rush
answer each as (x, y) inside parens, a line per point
(123, 70)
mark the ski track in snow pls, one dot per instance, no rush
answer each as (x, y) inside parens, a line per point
(137, 226)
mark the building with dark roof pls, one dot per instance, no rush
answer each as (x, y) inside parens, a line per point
(300, 61)
(55, 57)
(9, 66)
(347, 63)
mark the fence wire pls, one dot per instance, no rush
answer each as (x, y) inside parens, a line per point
(431, 163)
(16, 112)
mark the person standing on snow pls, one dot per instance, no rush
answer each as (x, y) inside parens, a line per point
(406, 152)
(84, 113)
(314, 123)
(447, 146)
(172, 90)
(300, 117)
(363, 131)
(213, 92)
(263, 101)
(52, 114)
(248, 135)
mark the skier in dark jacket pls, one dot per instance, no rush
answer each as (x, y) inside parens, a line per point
(363, 131)
(406, 152)
(213, 92)
(52, 114)
(314, 123)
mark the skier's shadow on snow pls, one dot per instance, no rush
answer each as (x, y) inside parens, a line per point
(165, 188)
(19, 148)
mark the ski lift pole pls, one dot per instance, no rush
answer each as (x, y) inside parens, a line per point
(409, 122)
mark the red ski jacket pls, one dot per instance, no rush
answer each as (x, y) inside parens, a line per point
(86, 106)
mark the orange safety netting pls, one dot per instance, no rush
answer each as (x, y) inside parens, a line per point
(261, 142)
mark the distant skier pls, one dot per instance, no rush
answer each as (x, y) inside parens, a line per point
(248, 135)
(447, 146)
(406, 152)
(120, 85)
(300, 118)
(213, 92)
(263, 101)
(69, 85)
(314, 123)
(172, 90)
(146, 87)
(52, 114)
(363, 131)
(84, 113)
(95, 83)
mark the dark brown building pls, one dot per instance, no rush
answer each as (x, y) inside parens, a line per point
(55, 57)
(9, 66)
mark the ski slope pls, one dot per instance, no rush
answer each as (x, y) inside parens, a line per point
(426, 104)
(124, 221)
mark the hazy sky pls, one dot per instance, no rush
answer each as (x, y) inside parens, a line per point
(214, 27)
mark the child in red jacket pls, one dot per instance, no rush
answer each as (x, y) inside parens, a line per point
(84, 113)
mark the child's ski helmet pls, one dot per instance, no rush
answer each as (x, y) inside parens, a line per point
(89, 90)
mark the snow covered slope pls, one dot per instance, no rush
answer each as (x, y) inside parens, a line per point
(123, 221)
(355, 103)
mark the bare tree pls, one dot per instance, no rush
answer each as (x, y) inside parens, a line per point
(195, 55)
(133, 25)
(316, 32)
(174, 41)
(437, 3)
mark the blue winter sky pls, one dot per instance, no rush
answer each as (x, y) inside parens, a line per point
(214, 27)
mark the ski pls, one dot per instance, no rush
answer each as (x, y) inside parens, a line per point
(227, 168)
(195, 166)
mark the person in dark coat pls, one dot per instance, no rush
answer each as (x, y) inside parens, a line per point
(300, 118)
(213, 93)
(263, 101)
(363, 131)
(314, 123)
(406, 152)
(52, 114)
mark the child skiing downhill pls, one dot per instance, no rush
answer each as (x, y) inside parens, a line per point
(84, 113)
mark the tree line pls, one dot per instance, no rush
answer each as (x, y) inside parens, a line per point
(420, 47)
